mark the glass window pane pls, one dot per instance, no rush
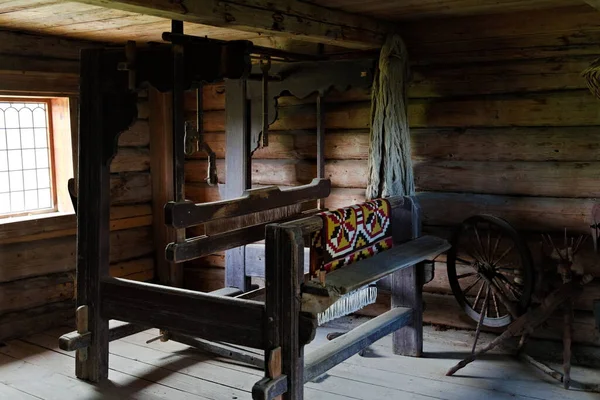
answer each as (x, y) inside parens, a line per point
(4, 203)
(28, 159)
(14, 160)
(4, 182)
(17, 201)
(31, 199)
(25, 174)
(13, 139)
(43, 178)
(16, 180)
(11, 116)
(27, 141)
(39, 118)
(30, 179)
(41, 137)
(41, 157)
(45, 199)
(3, 160)
(25, 118)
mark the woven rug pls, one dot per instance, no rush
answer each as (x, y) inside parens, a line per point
(351, 234)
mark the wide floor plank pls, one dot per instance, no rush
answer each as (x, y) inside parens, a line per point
(8, 392)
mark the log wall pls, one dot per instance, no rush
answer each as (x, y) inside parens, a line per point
(501, 122)
(38, 256)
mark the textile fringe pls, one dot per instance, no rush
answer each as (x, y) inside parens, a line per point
(348, 304)
(390, 163)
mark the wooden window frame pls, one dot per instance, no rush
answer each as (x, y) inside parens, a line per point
(61, 156)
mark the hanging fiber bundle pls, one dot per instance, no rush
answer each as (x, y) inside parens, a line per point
(390, 164)
(592, 77)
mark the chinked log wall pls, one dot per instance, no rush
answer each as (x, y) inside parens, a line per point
(501, 123)
(37, 257)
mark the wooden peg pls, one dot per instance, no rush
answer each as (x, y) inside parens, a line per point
(322, 274)
(274, 365)
(82, 324)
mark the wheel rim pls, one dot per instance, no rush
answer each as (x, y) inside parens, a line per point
(487, 250)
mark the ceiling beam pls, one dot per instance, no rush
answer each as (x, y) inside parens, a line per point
(290, 18)
(593, 3)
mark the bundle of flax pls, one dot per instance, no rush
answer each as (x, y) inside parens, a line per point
(592, 77)
(390, 164)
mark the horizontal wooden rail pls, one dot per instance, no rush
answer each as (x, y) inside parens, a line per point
(352, 277)
(74, 340)
(331, 354)
(220, 349)
(185, 215)
(199, 314)
(312, 224)
(200, 246)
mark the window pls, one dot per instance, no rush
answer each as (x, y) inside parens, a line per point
(30, 171)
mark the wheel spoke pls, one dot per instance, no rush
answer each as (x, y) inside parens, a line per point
(472, 285)
(478, 295)
(512, 246)
(504, 299)
(489, 239)
(462, 276)
(478, 256)
(479, 243)
(496, 305)
(510, 284)
(507, 271)
(506, 291)
(498, 240)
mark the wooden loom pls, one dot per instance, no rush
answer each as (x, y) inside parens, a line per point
(279, 325)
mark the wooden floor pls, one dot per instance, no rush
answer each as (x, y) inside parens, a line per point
(34, 368)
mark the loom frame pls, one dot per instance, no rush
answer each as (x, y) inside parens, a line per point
(278, 326)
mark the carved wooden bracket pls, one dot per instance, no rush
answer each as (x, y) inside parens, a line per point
(302, 79)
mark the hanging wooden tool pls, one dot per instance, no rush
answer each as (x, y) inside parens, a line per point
(265, 66)
(194, 140)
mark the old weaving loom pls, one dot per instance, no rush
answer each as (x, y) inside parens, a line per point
(272, 325)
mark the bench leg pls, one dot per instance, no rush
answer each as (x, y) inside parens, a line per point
(407, 291)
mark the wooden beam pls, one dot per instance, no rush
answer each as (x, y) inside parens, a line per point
(593, 3)
(238, 172)
(202, 315)
(289, 18)
(185, 215)
(340, 349)
(161, 166)
(93, 248)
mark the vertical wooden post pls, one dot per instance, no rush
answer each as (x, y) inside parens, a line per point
(291, 244)
(406, 285)
(238, 173)
(178, 138)
(320, 143)
(161, 167)
(93, 214)
(273, 294)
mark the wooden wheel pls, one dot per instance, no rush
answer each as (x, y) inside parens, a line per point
(490, 270)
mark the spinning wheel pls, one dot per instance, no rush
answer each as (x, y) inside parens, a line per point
(490, 271)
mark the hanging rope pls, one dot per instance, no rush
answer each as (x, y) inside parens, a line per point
(390, 164)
